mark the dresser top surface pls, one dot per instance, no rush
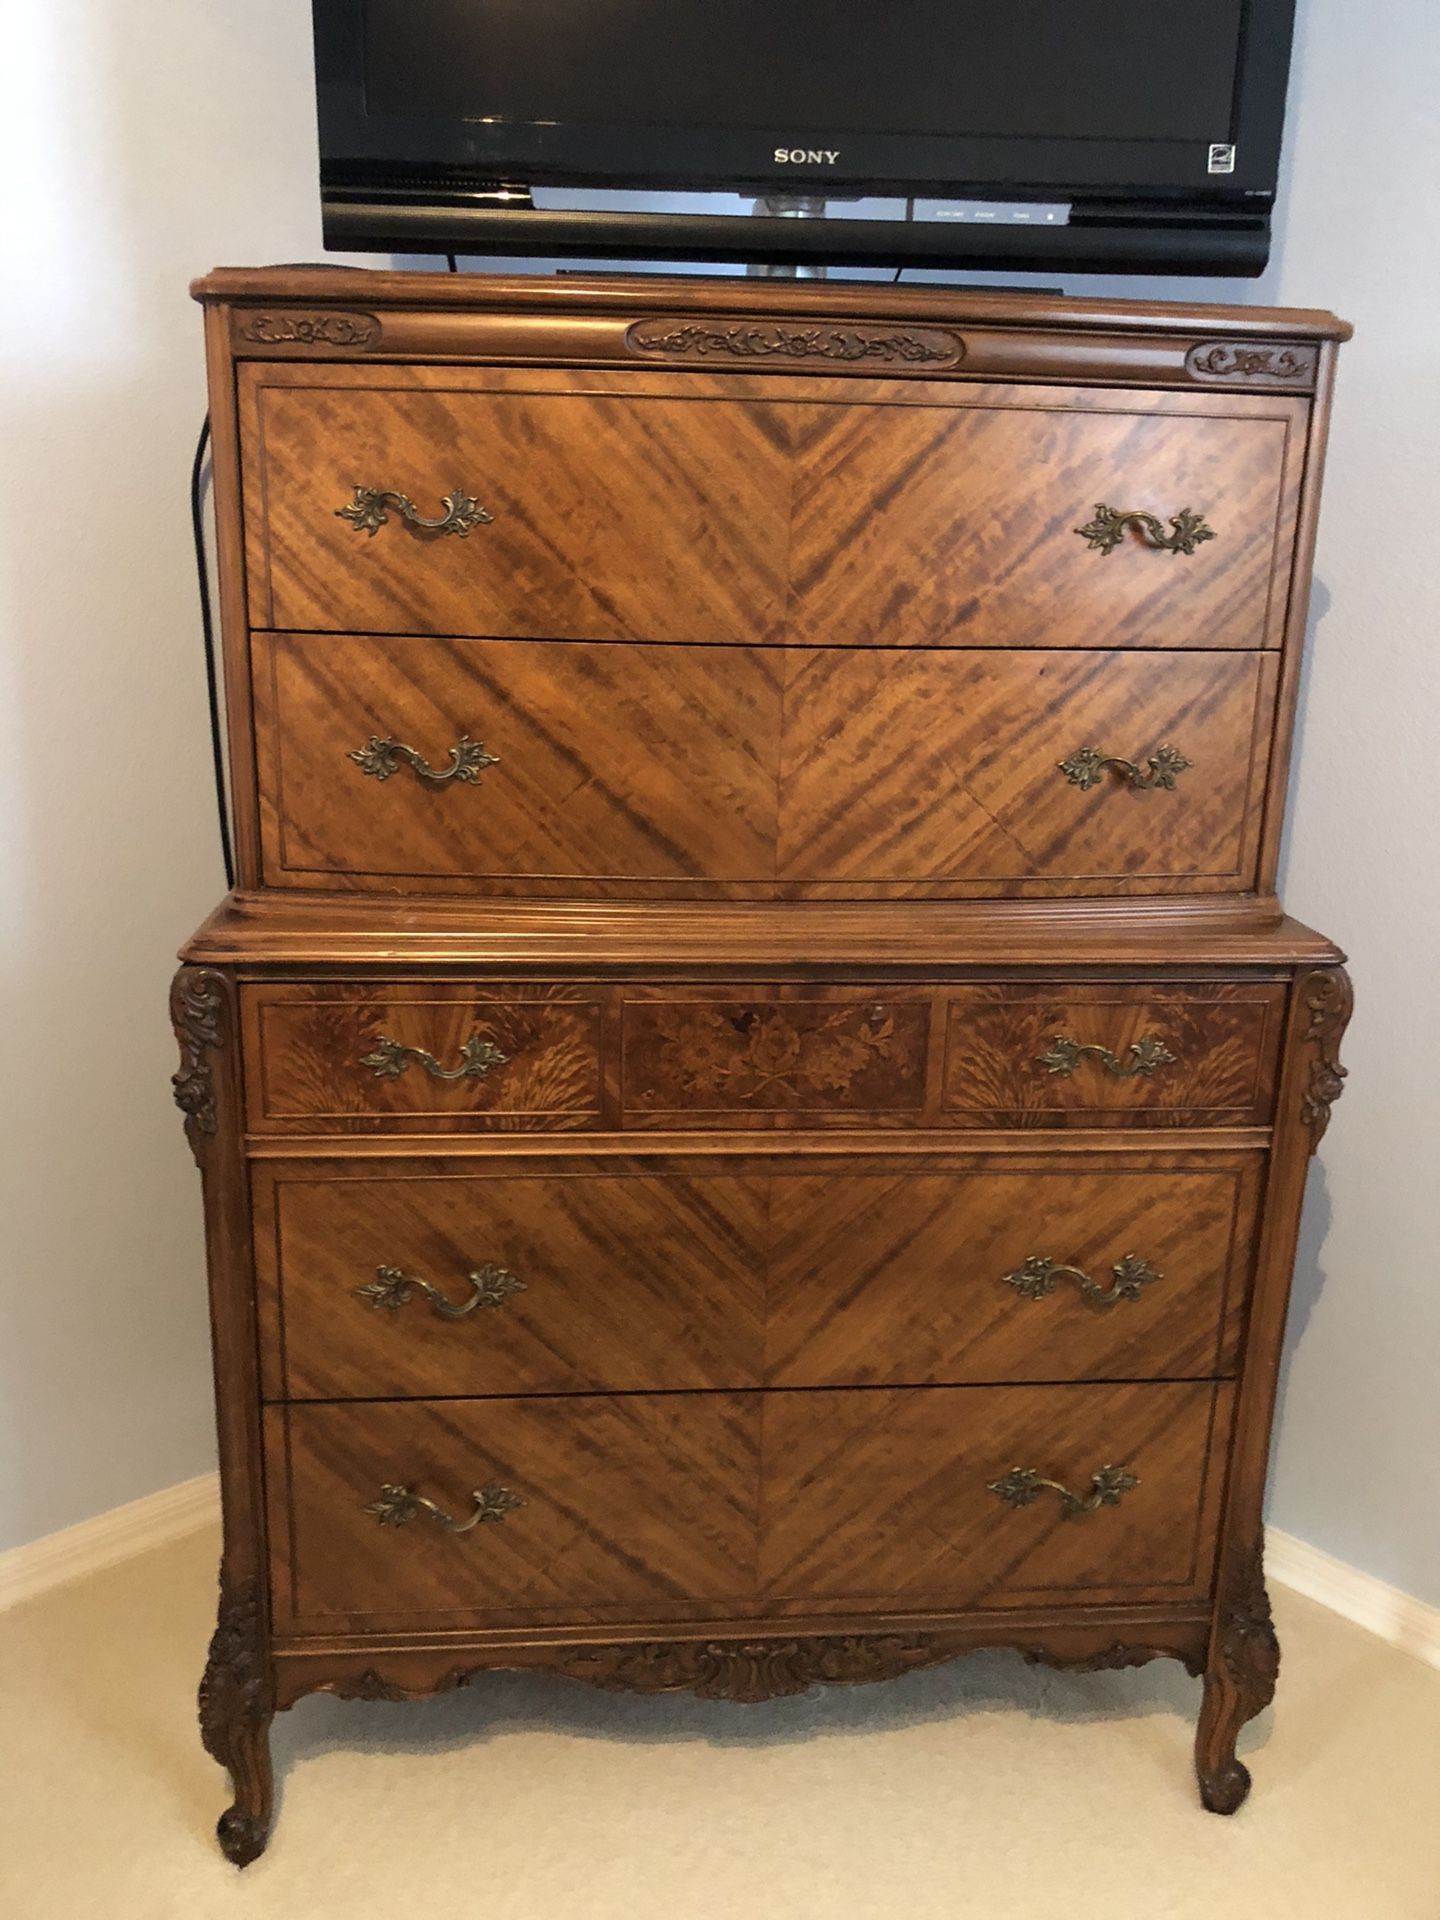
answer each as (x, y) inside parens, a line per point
(638, 294)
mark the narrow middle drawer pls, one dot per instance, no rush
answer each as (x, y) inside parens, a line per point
(414, 1278)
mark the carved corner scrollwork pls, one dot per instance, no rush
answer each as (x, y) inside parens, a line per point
(1239, 1683)
(1218, 360)
(197, 1009)
(236, 1706)
(1247, 1643)
(234, 1688)
(1328, 1000)
(291, 329)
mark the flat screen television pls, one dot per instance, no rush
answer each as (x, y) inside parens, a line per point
(1075, 135)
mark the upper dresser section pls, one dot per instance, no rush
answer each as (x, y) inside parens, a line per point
(691, 589)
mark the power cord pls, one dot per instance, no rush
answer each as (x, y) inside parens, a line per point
(207, 627)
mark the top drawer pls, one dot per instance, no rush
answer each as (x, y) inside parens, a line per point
(480, 502)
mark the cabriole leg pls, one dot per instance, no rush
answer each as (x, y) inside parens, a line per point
(1239, 1683)
(236, 1708)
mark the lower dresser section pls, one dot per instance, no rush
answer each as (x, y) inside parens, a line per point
(604, 1510)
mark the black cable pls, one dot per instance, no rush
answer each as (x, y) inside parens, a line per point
(207, 627)
(452, 263)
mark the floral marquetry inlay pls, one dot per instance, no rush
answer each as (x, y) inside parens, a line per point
(778, 1053)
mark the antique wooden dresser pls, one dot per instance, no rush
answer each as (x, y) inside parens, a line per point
(753, 1093)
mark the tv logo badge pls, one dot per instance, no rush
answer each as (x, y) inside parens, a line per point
(1222, 159)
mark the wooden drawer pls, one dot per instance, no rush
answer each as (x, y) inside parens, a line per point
(694, 1506)
(448, 766)
(775, 1056)
(700, 507)
(420, 1057)
(629, 1277)
(1118, 1055)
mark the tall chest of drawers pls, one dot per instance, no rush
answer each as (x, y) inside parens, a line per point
(753, 1093)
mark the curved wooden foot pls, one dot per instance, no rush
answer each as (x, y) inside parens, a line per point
(1239, 1683)
(236, 1708)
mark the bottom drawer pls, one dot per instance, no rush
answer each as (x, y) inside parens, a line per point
(638, 1508)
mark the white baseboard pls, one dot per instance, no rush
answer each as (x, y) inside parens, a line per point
(26, 1572)
(1398, 1618)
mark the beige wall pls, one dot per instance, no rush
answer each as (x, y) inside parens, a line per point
(162, 136)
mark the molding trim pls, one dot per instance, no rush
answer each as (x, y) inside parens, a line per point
(1397, 1618)
(93, 1545)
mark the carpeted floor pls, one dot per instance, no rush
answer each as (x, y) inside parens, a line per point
(986, 1788)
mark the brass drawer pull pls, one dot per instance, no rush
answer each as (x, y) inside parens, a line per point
(1107, 529)
(392, 1288)
(1086, 769)
(1021, 1485)
(368, 512)
(380, 758)
(477, 1058)
(1147, 1053)
(398, 1506)
(1040, 1276)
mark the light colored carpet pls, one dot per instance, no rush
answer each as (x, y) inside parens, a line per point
(986, 1788)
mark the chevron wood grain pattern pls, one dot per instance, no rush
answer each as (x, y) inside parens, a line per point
(880, 1278)
(886, 1492)
(307, 1048)
(1223, 1041)
(956, 525)
(754, 771)
(634, 1504)
(829, 513)
(626, 1282)
(644, 1275)
(614, 762)
(612, 516)
(663, 1506)
(946, 766)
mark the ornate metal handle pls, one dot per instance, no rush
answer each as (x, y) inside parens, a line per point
(1147, 1053)
(398, 1506)
(1040, 1276)
(1107, 529)
(1021, 1485)
(368, 512)
(1086, 768)
(477, 1058)
(380, 758)
(392, 1288)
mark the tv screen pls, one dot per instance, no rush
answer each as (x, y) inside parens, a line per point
(1107, 103)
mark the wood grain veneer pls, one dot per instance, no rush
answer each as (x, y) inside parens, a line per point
(931, 516)
(808, 771)
(657, 1507)
(651, 1275)
(849, 1129)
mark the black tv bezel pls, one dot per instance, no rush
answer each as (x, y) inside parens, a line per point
(435, 172)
